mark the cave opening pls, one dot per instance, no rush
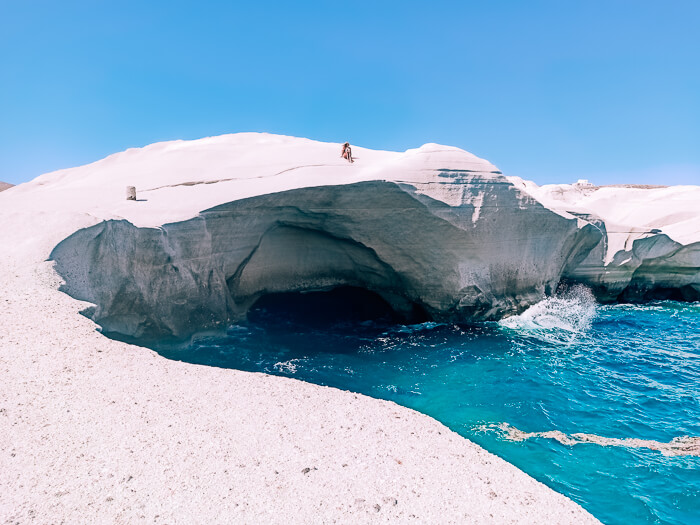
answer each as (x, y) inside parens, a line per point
(343, 304)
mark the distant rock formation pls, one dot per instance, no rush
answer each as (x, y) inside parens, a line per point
(650, 248)
(435, 231)
(5, 186)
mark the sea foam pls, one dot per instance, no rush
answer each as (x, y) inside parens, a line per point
(558, 319)
(678, 446)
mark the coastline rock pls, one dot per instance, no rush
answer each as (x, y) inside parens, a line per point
(650, 248)
(434, 231)
(198, 443)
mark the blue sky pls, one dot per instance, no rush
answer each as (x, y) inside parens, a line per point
(550, 91)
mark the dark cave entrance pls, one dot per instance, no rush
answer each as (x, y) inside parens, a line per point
(344, 304)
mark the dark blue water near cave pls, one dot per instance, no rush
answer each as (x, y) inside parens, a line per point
(601, 403)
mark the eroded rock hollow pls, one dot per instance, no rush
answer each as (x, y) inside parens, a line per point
(415, 252)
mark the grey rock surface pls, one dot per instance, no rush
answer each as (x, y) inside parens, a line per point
(418, 253)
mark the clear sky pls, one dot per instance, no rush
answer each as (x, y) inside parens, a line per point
(551, 91)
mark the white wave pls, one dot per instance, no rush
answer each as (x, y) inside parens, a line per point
(289, 367)
(558, 319)
(678, 446)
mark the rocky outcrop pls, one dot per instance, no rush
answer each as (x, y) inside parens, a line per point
(5, 186)
(418, 253)
(436, 232)
(655, 267)
(650, 248)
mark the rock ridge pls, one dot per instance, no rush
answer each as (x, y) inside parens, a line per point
(220, 222)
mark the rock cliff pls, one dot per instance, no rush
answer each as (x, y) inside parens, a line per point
(221, 222)
(651, 243)
(419, 254)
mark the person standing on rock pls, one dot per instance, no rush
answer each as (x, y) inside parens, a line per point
(347, 152)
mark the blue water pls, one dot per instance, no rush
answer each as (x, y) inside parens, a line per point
(567, 364)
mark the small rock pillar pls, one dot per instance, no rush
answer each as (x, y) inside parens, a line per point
(131, 193)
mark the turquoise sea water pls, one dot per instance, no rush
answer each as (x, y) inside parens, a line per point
(579, 372)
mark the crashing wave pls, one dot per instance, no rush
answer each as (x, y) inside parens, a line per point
(558, 319)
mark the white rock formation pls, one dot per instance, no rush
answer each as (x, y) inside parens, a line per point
(95, 430)
(651, 243)
(434, 230)
(224, 220)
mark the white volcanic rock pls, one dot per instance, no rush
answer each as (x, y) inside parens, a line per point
(96, 430)
(222, 221)
(651, 242)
